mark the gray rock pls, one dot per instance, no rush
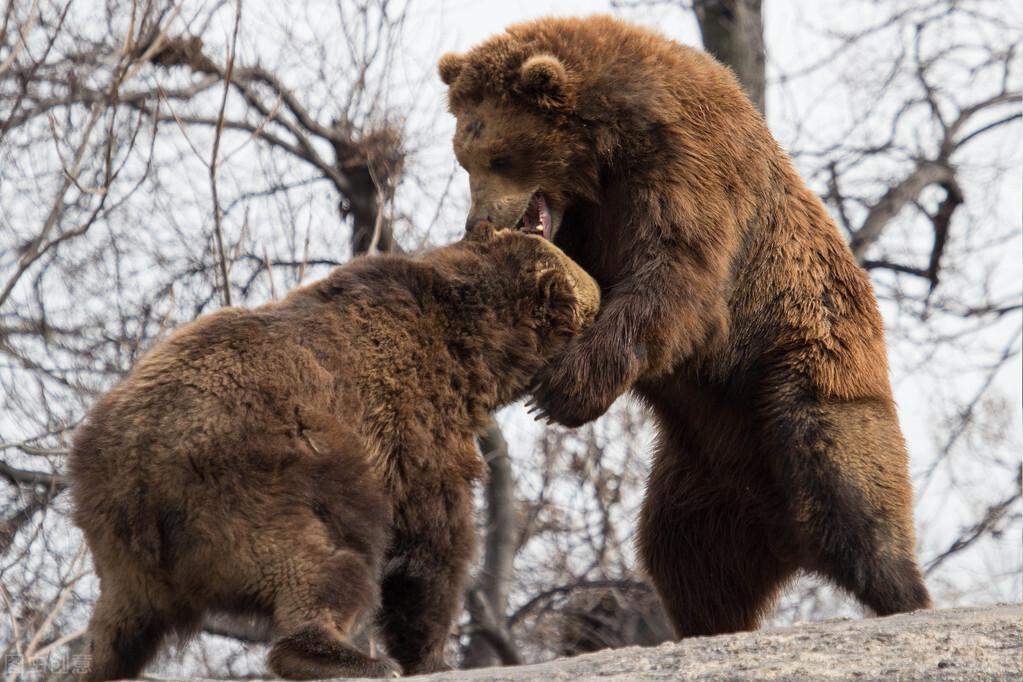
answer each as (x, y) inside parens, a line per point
(956, 644)
(962, 645)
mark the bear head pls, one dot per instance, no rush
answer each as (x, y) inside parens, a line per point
(517, 134)
(542, 288)
(545, 110)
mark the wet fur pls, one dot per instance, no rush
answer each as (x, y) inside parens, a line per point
(732, 307)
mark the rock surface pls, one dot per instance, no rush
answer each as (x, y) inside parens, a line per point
(955, 644)
(965, 644)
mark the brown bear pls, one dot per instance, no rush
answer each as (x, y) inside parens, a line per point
(311, 458)
(731, 305)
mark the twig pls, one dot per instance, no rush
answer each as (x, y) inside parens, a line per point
(521, 612)
(991, 517)
(218, 227)
(30, 651)
(23, 30)
(15, 630)
(37, 248)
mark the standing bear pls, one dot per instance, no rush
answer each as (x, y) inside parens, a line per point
(311, 459)
(732, 307)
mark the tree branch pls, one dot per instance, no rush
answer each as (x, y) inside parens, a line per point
(526, 608)
(218, 229)
(54, 482)
(941, 221)
(484, 624)
(987, 525)
(894, 200)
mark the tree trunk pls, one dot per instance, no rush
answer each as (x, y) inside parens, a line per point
(733, 31)
(494, 581)
(372, 162)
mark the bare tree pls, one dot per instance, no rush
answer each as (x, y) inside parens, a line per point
(159, 158)
(489, 638)
(105, 119)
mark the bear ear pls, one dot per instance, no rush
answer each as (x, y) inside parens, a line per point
(559, 304)
(481, 231)
(545, 78)
(450, 66)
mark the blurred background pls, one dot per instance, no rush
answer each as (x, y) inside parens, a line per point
(160, 159)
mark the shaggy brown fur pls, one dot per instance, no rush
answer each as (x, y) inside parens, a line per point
(309, 458)
(732, 305)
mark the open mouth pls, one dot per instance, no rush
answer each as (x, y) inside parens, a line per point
(537, 217)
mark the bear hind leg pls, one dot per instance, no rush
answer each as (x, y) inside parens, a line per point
(422, 590)
(850, 500)
(125, 632)
(318, 652)
(315, 612)
(709, 556)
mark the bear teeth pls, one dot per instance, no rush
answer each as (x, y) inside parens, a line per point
(536, 219)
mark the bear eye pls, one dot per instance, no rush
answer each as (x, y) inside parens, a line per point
(500, 163)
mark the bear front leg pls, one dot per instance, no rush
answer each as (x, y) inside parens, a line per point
(423, 583)
(666, 305)
(580, 384)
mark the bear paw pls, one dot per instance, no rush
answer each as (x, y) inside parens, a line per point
(582, 383)
(315, 653)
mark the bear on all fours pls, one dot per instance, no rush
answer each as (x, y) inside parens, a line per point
(312, 460)
(731, 306)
